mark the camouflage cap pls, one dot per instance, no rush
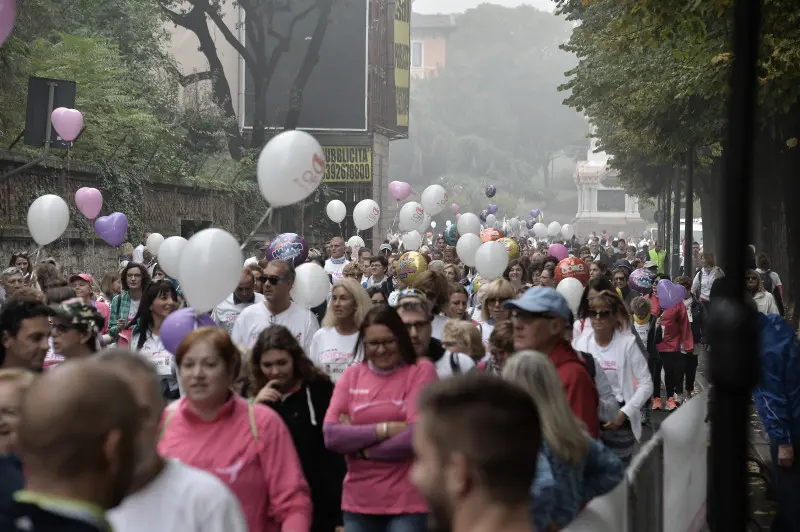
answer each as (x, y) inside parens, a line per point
(83, 317)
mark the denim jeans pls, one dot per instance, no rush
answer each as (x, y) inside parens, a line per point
(385, 523)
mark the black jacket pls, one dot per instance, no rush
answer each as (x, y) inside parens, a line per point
(30, 517)
(11, 481)
(303, 412)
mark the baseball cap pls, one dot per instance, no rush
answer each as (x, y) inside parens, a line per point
(650, 264)
(83, 277)
(541, 300)
(82, 316)
(385, 247)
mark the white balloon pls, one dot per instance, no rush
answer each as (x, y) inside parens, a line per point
(572, 290)
(433, 225)
(211, 266)
(412, 241)
(311, 285)
(411, 215)
(540, 230)
(467, 246)
(366, 214)
(423, 226)
(48, 218)
(448, 223)
(290, 168)
(468, 223)
(514, 224)
(355, 241)
(491, 220)
(154, 242)
(491, 260)
(434, 199)
(567, 230)
(336, 211)
(553, 229)
(169, 255)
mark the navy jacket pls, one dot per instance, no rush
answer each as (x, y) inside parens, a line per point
(11, 481)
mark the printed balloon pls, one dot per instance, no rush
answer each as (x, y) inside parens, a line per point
(290, 247)
(451, 235)
(512, 247)
(491, 234)
(572, 267)
(641, 281)
(410, 266)
(411, 216)
(491, 190)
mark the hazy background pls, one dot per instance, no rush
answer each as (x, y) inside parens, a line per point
(459, 6)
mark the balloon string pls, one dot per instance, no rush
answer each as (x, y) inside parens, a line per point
(341, 231)
(267, 215)
(35, 264)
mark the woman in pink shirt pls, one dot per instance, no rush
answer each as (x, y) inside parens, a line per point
(246, 445)
(370, 420)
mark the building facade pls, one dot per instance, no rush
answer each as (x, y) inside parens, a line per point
(429, 43)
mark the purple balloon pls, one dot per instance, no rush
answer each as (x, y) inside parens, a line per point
(483, 214)
(669, 294)
(535, 213)
(290, 247)
(491, 190)
(531, 232)
(180, 323)
(530, 223)
(492, 208)
(112, 228)
(641, 281)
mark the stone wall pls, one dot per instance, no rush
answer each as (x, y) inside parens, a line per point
(166, 208)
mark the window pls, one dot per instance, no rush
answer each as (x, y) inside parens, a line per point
(611, 201)
(416, 54)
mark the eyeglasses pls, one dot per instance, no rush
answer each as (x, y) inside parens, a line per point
(134, 276)
(599, 314)
(272, 279)
(751, 278)
(380, 343)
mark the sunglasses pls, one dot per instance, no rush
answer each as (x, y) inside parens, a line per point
(752, 278)
(599, 314)
(271, 279)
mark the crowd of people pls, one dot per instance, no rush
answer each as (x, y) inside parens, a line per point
(442, 401)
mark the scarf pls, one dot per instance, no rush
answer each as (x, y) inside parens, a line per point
(641, 321)
(338, 261)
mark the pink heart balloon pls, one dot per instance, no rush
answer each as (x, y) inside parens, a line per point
(67, 123)
(89, 202)
(399, 190)
(8, 14)
(454, 208)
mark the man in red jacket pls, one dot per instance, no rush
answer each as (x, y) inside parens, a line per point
(540, 316)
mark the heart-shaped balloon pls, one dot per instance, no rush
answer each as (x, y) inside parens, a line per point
(89, 201)
(670, 294)
(454, 208)
(535, 213)
(8, 13)
(399, 190)
(67, 123)
(492, 208)
(112, 228)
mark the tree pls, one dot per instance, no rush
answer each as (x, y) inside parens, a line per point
(261, 49)
(493, 113)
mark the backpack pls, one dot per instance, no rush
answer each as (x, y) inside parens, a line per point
(766, 278)
(588, 361)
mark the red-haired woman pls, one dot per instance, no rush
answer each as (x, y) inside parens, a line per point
(246, 445)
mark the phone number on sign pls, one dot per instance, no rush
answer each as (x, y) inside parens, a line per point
(348, 172)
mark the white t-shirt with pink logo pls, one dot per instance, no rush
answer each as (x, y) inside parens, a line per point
(333, 352)
(255, 318)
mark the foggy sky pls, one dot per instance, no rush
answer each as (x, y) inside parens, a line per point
(459, 6)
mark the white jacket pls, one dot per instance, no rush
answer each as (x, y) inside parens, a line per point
(766, 303)
(623, 362)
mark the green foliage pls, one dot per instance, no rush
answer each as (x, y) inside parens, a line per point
(493, 114)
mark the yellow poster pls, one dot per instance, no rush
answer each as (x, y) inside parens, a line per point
(402, 59)
(347, 164)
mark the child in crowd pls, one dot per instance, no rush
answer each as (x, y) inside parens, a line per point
(647, 329)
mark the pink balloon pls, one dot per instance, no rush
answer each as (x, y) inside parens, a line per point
(400, 190)
(455, 208)
(458, 215)
(558, 251)
(89, 202)
(67, 123)
(8, 14)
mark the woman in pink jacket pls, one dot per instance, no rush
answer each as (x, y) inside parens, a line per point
(677, 335)
(246, 445)
(371, 419)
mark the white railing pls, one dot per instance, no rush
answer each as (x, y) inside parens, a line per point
(664, 489)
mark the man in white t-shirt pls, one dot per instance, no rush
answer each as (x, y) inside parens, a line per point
(335, 264)
(166, 494)
(226, 313)
(261, 254)
(278, 309)
(138, 251)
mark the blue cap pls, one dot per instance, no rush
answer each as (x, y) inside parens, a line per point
(540, 300)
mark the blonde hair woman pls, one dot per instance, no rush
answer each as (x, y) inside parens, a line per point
(333, 347)
(13, 385)
(461, 336)
(493, 306)
(582, 467)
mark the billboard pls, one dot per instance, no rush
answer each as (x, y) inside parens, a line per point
(347, 164)
(329, 72)
(402, 60)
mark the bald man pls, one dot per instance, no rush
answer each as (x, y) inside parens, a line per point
(205, 502)
(335, 264)
(77, 439)
(226, 313)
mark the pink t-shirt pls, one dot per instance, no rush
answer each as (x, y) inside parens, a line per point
(264, 474)
(373, 486)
